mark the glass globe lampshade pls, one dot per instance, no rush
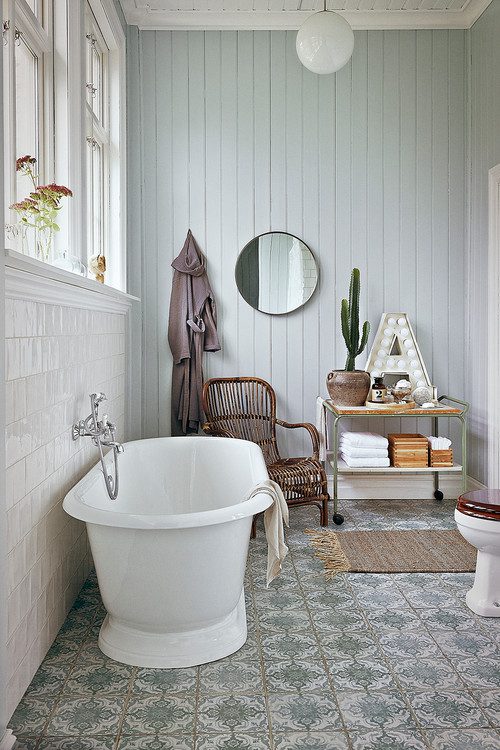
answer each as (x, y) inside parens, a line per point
(325, 42)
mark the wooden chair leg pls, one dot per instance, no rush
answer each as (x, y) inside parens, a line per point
(253, 532)
(324, 512)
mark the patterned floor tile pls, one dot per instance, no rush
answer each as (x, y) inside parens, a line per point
(173, 681)
(287, 580)
(240, 713)
(360, 674)
(284, 620)
(49, 678)
(77, 743)
(63, 650)
(31, 715)
(385, 710)
(311, 741)
(76, 626)
(382, 597)
(437, 598)
(89, 678)
(156, 742)
(25, 743)
(296, 676)
(479, 672)
(468, 739)
(397, 740)
(370, 581)
(465, 644)
(340, 619)
(489, 701)
(294, 646)
(317, 712)
(446, 709)
(74, 716)
(393, 619)
(233, 742)
(230, 677)
(340, 645)
(159, 714)
(430, 674)
(445, 619)
(269, 600)
(329, 600)
(408, 644)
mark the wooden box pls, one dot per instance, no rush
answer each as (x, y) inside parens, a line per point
(408, 451)
(440, 458)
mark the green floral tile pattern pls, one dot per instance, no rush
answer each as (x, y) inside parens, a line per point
(237, 741)
(311, 741)
(362, 662)
(222, 713)
(391, 740)
(304, 712)
(468, 739)
(159, 714)
(446, 709)
(384, 710)
(156, 742)
(82, 716)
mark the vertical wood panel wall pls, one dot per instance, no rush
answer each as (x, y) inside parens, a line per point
(484, 154)
(367, 166)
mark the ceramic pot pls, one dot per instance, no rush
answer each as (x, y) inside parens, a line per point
(348, 388)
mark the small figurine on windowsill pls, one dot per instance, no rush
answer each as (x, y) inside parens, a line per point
(97, 265)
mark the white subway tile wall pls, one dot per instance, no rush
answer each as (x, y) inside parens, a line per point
(55, 357)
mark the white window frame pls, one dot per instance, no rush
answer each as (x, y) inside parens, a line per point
(64, 145)
(38, 37)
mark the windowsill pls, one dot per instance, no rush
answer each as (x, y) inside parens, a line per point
(36, 267)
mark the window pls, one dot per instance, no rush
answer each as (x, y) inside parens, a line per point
(53, 51)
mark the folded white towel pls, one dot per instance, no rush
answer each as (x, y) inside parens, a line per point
(363, 452)
(321, 426)
(274, 517)
(439, 443)
(365, 440)
(364, 462)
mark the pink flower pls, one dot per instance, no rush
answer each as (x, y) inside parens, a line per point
(23, 161)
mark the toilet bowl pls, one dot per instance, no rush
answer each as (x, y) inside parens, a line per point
(478, 520)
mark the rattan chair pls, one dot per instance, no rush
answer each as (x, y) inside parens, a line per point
(245, 408)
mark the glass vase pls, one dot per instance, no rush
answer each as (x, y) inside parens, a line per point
(44, 244)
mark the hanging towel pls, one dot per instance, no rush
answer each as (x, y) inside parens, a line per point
(274, 518)
(363, 452)
(364, 440)
(321, 426)
(192, 329)
(364, 462)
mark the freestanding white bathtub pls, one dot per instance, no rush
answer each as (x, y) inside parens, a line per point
(170, 552)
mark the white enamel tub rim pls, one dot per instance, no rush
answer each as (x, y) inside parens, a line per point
(75, 505)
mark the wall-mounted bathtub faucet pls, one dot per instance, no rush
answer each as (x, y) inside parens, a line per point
(102, 432)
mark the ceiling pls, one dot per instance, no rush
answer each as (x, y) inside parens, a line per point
(289, 14)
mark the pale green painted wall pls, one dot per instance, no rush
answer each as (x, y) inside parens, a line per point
(484, 61)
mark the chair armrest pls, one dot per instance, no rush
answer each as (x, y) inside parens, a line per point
(311, 429)
(210, 429)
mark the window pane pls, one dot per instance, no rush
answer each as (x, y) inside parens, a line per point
(97, 82)
(95, 169)
(36, 7)
(27, 126)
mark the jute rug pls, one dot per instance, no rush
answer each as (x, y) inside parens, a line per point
(393, 551)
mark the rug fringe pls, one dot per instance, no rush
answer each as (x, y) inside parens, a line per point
(327, 548)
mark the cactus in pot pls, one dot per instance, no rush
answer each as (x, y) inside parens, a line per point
(350, 387)
(349, 315)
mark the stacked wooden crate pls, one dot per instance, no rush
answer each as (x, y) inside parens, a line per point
(440, 457)
(408, 451)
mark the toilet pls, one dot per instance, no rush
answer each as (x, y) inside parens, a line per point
(478, 520)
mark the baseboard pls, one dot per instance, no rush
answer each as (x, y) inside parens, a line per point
(399, 487)
(8, 740)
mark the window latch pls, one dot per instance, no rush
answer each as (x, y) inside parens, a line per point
(90, 87)
(91, 39)
(5, 32)
(92, 142)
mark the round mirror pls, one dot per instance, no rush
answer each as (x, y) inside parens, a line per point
(276, 273)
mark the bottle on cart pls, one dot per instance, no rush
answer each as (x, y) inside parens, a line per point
(378, 391)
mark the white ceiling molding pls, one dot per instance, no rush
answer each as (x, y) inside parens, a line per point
(411, 14)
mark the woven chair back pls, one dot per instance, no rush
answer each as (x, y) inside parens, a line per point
(244, 408)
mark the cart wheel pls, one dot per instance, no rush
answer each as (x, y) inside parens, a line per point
(438, 495)
(337, 519)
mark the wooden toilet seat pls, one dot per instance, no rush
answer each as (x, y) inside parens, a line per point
(480, 504)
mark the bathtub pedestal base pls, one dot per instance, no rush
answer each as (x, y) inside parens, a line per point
(140, 648)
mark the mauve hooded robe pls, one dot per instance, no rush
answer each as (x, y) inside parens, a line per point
(192, 329)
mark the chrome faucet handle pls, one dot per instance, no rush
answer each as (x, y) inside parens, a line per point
(96, 398)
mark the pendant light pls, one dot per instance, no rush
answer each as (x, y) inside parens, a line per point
(325, 42)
